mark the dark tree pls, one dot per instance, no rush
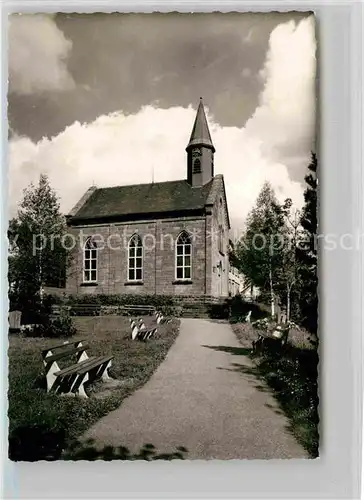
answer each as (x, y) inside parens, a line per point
(307, 253)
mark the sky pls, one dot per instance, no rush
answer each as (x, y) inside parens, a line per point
(110, 99)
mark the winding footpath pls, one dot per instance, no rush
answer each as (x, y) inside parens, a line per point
(201, 398)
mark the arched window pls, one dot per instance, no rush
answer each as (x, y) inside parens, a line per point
(197, 166)
(184, 257)
(90, 261)
(135, 269)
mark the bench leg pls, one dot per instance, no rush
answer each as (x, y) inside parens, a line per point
(77, 386)
(81, 390)
(61, 385)
(51, 369)
(81, 356)
(258, 344)
(67, 383)
(103, 372)
(100, 372)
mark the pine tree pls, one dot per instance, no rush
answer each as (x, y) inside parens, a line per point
(308, 299)
(309, 212)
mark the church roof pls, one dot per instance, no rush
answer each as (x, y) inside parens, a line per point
(138, 200)
(200, 135)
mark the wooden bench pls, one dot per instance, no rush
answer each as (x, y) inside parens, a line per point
(71, 380)
(138, 310)
(85, 310)
(278, 337)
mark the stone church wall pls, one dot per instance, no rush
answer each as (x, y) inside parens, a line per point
(219, 260)
(158, 237)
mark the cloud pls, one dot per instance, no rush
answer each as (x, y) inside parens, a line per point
(38, 51)
(118, 149)
(285, 118)
(246, 73)
(249, 37)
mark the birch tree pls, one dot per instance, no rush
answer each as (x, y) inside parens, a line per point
(260, 250)
(37, 243)
(289, 275)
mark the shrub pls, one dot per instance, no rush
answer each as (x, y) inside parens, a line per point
(293, 377)
(120, 300)
(109, 310)
(291, 325)
(261, 324)
(35, 330)
(94, 305)
(240, 308)
(219, 311)
(61, 326)
(32, 309)
(170, 310)
(36, 442)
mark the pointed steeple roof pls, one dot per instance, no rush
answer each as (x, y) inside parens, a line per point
(200, 133)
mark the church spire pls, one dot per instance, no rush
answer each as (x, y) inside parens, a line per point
(200, 135)
(200, 151)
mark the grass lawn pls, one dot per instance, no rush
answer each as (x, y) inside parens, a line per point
(292, 374)
(41, 424)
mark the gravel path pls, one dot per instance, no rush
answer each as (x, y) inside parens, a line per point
(202, 398)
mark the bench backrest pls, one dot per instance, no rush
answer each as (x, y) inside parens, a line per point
(139, 309)
(131, 306)
(99, 310)
(63, 350)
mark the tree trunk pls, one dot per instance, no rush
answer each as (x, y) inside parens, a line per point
(40, 279)
(271, 293)
(289, 290)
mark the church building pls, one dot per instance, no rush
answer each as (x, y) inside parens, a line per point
(163, 238)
